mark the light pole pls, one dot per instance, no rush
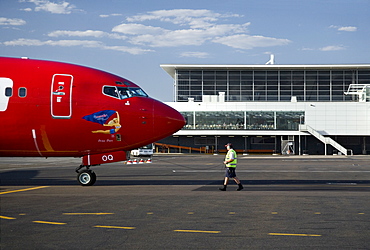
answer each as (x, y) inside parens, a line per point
(299, 135)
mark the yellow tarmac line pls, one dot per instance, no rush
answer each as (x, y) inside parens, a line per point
(197, 231)
(7, 218)
(49, 222)
(22, 190)
(115, 227)
(284, 234)
(87, 213)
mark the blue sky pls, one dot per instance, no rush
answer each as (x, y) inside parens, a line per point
(131, 38)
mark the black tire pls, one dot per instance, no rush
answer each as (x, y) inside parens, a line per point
(86, 178)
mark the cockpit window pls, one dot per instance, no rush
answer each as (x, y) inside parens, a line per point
(123, 92)
(111, 91)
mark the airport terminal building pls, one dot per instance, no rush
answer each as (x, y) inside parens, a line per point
(282, 109)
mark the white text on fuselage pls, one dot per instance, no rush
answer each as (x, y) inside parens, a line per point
(107, 140)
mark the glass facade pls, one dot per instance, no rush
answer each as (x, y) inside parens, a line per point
(269, 85)
(239, 120)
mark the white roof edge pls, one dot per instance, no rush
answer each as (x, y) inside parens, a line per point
(171, 68)
(185, 132)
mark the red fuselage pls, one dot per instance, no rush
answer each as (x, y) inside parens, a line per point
(59, 109)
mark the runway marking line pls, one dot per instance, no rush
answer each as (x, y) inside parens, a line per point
(197, 231)
(49, 222)
(304, 235)
(23, 190)
(116, 227)
(7, 218)
(87, 213)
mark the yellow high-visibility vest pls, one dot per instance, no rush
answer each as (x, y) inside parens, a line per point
(228, 157)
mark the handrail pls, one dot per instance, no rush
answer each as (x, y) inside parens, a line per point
(356, 88)
(325, 140)
(169, 146)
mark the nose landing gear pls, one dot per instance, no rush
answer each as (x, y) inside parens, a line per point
(86, 177)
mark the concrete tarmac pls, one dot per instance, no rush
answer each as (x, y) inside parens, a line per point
(288, 202)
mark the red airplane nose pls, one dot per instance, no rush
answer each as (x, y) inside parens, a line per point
(166, 120)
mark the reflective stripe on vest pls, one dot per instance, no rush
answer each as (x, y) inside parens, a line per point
(228, 157)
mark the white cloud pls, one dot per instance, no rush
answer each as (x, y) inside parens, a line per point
(243, 41)
(86, 33)
(172, 39)
(137, 29)
(24, 42)
(130, 50)
(195, 54)
(63, 43)
(52, 7)
(69, 43)
(348, 28)
(307, 49)
(344, 28)
(109, 15)
(223, 29)
(93, 33)
(78, 43)
(11, 21)
(168, 28)
(160, 37)
(202, 26)
(194, 18)
(333, 48)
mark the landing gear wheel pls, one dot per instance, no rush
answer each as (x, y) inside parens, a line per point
(86, 177)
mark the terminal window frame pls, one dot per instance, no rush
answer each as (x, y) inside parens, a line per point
(243, 120)
(269, 85)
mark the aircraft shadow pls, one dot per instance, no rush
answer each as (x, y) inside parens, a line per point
(29, 178)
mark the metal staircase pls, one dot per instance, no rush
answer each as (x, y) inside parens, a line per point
(360, 90)
(325, 140)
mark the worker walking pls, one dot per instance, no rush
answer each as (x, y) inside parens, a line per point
(230, 165)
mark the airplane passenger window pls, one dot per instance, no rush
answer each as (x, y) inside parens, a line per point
(8, 92)
(22, 92)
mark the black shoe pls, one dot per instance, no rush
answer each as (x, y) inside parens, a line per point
(222, 189)
(240, 188)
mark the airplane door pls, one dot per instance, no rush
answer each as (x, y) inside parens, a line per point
(61, 96)
(6, 89)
